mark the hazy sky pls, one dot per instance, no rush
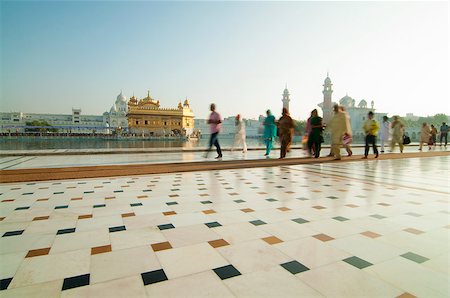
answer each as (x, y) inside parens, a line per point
(240, 55)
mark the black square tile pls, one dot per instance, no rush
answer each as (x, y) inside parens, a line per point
(206, 202)
(136, 204)
(89, 191)
(166, 227)
(99, 205)
(227, 272)
(294, 267)
(332, 197)
(257, 222)
(213, 224)
(58, 193)
(4, 283)
(76, 281)
(152, 277)
(239, 201)
(117, 229)
(146, 190)
(22, 208)
(27, 193)
(300, 220)
(271, 200)
(171, 203)
(65, 231)
(120, 190)
(13, 233)
(62, 207)
(340, 218)
(357, 262)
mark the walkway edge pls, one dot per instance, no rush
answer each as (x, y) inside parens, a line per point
(45, 174)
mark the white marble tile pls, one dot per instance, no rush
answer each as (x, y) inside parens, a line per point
(122, 263)
(190, 235)
(343, 280)
(288, 230)
(311, 252)
(80, 240)
(273, 282)
(368, 249)
(39, 290)
(9, 263)
(253, 256)
(240, 232)
(51, 267)
(187, 260)
(412, 277)
(204, 284)
(136, 237)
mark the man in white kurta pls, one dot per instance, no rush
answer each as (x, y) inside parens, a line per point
(239, 135)
(384, 132)
(339, 125)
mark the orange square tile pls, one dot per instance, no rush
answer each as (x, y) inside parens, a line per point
(218, 243)
(42, 200)
(2, 218)
(174, 196)
(38, 252)
(10, 200)
(447, 227)
(70, 187)
(76, 199)
(246, 210)
(370, 234)
(343, 190)
(272, 240)
(169, 213)
(352, 205)
(233, 194)
(41, 218)
(208, 211)
(406, 295)
(316, 190)
(413, 231)
(125, 186)
(323, 237)
(99, 186)
(142, 197)
(262, 193)
(128, 214)
(100, 249)
(161, 246)
(384, 204)
(85, 216)
(284, 209)
(109, 198)
(204, 195)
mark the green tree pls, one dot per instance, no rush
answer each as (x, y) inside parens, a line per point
(36, 128)
(299, 128)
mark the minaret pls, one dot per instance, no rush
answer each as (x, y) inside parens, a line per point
(327, 104)
(286, 99)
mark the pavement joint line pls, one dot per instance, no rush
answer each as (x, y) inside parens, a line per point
(45, 174)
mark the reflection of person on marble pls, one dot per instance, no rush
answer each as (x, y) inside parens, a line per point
(270, 131)
(239, 134)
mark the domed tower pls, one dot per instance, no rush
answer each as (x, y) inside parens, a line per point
(286, 99)
(327, 107)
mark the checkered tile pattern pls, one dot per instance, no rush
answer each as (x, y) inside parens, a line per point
(373, 228)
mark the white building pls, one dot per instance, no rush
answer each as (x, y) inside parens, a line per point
(253, 128)
(358, 113)
(75, 122)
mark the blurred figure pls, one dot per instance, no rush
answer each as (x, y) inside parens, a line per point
(339, 125)
(371, 127)
(398, 130)
(239, 134)
(444, 133)
(433, 132)
(315, 137)
(214, 122)
(347, 138)
(384, 132)
(307, 135)
(286, 127)
(425, 134)
(270, 131)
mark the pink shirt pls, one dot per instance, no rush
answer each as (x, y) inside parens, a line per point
(215, 127)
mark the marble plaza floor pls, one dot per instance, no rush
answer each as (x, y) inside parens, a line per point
(376, 228)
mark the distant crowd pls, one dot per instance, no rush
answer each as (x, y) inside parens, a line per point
(387, 132)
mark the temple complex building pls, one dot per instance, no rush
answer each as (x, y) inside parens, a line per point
(146, 117)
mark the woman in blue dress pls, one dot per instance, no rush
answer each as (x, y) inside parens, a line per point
(270, 131)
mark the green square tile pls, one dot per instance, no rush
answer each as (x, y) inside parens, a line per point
(340, 218)
(357, 262)
(414, 257)
(378, 216)
(300, 220)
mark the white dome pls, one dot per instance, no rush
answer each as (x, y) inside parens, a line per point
(113, 109)
(121, 98)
